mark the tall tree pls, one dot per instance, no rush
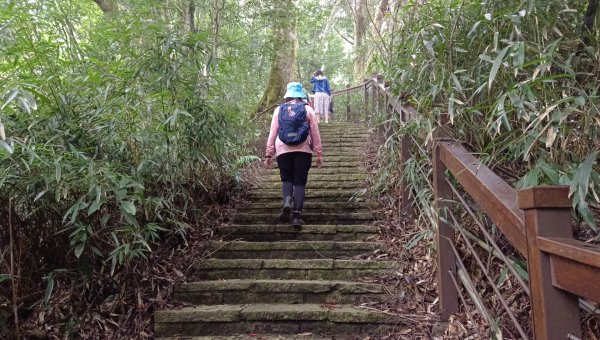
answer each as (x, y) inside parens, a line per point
(359, 11)
(107, 6)
(285, 46)
(589, 21)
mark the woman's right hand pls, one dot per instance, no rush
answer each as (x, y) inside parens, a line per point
(269, 162)
(319, 162)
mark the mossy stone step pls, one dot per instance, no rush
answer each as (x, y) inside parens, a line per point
(333, 200)
(252, 336)
(342, 152)
(292, 249)
(336, 145)
(318, 184)
(260, 232)
(310, 205)
(344, 134)
(283, 269)
(345, 149)
(344, 139)
(273, 318)
(308, 217)
(329, 163)
(345, 158)
(278, 291)
(275, 193)
(328, 170)
(317, 177)
(344, 128)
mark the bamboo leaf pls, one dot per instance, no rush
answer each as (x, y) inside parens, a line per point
(10, 98)
(6, 147)
(79, 249)
(585, 170)
(496, 65)
(129, 207)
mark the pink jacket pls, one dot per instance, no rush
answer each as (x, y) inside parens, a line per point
(275, 144)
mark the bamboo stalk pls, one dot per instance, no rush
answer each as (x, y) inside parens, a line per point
(12, 270)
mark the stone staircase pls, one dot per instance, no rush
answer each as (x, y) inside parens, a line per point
(268, 278)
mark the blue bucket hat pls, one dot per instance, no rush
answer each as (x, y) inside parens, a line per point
(294, 90)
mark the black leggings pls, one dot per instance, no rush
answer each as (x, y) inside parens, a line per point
(294, 166)
(293, 169)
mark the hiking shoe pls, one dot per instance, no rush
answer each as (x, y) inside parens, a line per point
(296, 220)
(286, 210)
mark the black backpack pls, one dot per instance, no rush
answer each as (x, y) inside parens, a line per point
(293, 127)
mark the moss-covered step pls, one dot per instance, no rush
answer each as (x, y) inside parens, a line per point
(343, 152)
(305, 269)
(342, 139)
(341, 320)
(344, 133)
(333, 186)
(328, 163)
(332, 200)
(275, 193)
(319, 184)
(264, 233)
(279, 291)
(336, 145)
(293, 249)
(318, 177)
(345, 158)
(308, 216)
(252, 336)
(316, 184)
(344, 129)
(328, 170)
(311, 204)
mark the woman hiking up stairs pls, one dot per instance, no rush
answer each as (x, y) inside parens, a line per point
(268, 278)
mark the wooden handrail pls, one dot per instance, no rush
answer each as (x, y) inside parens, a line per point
(574, 250)
(349, 89)
(492, 194)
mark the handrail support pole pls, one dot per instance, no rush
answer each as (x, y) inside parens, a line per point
(445, 235)
(548, 214)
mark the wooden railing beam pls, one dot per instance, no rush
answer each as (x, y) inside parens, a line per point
(494, 196)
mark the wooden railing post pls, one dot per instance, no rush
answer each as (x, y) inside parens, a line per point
(380, 94)
(380, 102)
(347, 103)
(445, 233)
(373, 99)
(406, 206)
(366, 102)
(548, 214)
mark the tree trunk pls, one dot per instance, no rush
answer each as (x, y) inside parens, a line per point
(360, 30)
(589, 21)
(285, 45)
(107, 6)
(382, 8)
(191, 16)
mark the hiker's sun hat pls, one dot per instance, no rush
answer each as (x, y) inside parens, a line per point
(294, 90)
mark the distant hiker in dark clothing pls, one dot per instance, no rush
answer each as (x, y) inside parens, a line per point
(322, 95)
(293, 137)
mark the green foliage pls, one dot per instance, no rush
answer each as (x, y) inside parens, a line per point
(516, 80)
(116, 133)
